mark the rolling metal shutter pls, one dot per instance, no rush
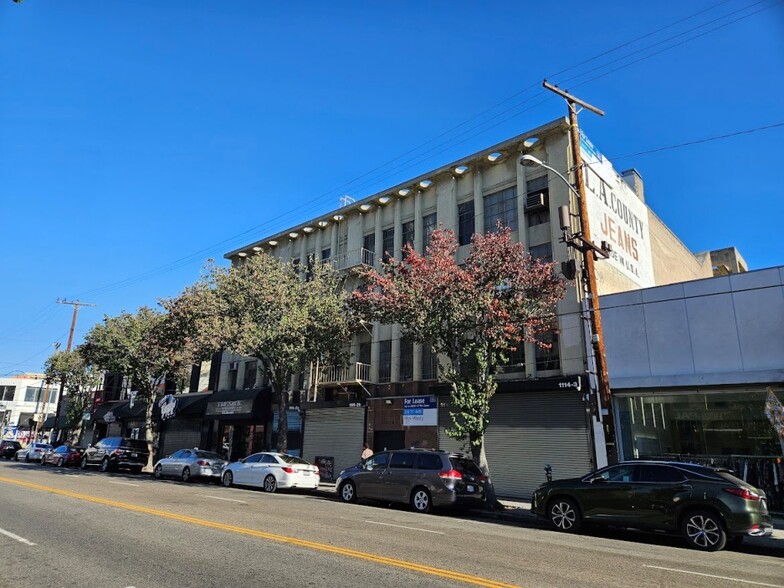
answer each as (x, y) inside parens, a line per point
(334, 432)
(446, 442)
(526, 431)
(181, 434)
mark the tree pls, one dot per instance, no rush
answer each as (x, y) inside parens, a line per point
(146, 347)
(263, 308)
(475, 315)
(79, 379)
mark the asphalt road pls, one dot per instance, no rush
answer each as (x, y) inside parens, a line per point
(65, 528)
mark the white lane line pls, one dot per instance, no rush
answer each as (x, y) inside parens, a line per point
(123, 483)
(404, 527)
(221, 498)
(712, 576)
(16, 537)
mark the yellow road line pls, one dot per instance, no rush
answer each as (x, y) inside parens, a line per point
(398, 563)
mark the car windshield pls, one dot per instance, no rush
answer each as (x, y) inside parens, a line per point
(135, 444)
(465, 466)
(291, 459)
(208, 455)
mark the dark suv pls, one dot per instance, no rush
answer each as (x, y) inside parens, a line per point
(423, 478)
(708, 506)
(9, 448)
(117, 452)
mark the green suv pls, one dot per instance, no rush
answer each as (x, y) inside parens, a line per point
(707, 506)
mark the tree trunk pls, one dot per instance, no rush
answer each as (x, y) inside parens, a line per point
(283, 420)
(148, 433)
(480, 459)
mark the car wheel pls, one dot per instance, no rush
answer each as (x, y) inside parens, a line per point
(16, 457)
(704, 530)
(348, 491)
(27, 458)
(43, 461)
(564, 515)
(60, 462)
(421, 500)
(186, 474)
(84, 463)
(105, 467)
(228, 479)
(158, 472)
(270, 483)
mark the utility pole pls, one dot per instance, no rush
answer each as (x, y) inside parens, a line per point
(76, 305)
(589, 275)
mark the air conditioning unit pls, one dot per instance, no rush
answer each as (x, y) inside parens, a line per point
(234, 365)
(535, 201)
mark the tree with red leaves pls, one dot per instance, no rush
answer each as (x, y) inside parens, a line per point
(472, 315)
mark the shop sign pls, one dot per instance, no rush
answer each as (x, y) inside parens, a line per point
(226, 407)
(420, 411)
(109, 417)
(168, 406)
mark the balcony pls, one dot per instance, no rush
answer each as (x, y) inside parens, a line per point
(354, 373)
(355, 259)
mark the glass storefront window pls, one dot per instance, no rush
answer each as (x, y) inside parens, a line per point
(707, 423)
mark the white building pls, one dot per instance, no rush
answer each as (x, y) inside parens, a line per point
(24, 398)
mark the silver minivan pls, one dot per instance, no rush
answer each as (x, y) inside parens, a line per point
(423, 478)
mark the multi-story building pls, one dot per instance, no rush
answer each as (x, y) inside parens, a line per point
(25, 402)
(542, 412)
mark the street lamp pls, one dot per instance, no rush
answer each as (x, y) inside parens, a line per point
(529, 160)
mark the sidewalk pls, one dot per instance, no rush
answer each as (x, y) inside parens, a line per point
(516, 511)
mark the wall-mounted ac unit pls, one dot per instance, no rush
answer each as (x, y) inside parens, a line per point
(234, 365)
(535, 201)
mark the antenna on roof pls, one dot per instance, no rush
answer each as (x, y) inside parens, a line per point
(345, 200)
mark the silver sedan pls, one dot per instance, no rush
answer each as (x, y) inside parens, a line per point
(187, 464)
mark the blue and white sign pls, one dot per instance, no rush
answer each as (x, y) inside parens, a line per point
(420, 411)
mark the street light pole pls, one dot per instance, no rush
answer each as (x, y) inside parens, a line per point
(589, 275)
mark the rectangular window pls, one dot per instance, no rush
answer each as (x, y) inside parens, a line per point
(385, 361)
(342, 245)
(548, 359)
(406, 360)
(33, 394)
(7, 393)
(250, 375)
(429, 363)
(408, 235)
(428, 226)
(501, 206)
(388, 238)
(465, 222)
(543, 252)
(365, 352)
(53, 395)
(516, 362)
(369, 242)
(538, 216)
(326, 254)
(233, 369)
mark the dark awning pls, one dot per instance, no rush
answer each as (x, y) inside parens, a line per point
(127, 412)
(103, 408)
(235, 405)
(183, 405)
(49, 422)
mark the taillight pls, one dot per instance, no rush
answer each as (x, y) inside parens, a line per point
(317, 473)
(744, 493)
(451, 475)
(288, 470)
(202, 462)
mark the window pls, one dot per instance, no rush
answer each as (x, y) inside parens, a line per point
(268, 459)
(365, 349)
(326, 254)
(402, 460)
(538, 216)
(178, 454)
(369, 242)
(388, 238)
(429, 461)
(501, 206)
(53, 395)
(543, 252)
(342, 245)
(7, 392)
(385, 361)
(255, 458)
(620, 473)
(516, 362)
(250, 374)
(406, 360)
(656, 473)
(408, 235)
(233, 369)
(428, 226)
(377, 462)
(33, 394)
(429, 363)
(465, 222)
(548, 359)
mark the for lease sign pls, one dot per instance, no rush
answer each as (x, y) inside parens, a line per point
(420, 411)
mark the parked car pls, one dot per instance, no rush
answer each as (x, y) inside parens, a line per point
(8, 448)
(423, 478)
(117, 452)
(708, 506)
(65, 455)
(272, 471)
(33, 452)
(187, 464)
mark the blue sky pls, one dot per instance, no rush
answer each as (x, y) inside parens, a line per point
(139, 138)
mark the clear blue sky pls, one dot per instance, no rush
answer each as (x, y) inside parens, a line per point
(137, 134)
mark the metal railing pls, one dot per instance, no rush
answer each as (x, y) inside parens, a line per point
(356, 258)
(355, 372)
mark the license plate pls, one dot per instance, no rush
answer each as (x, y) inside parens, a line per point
(134, 455)
(306, 473)
(469, 488)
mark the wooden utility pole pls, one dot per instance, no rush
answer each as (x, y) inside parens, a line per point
(76, 305)
(589, 276)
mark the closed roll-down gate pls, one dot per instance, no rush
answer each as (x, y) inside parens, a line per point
(181, 434)
(526, 431)
(334, 432)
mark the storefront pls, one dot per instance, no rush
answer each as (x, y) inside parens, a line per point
(238, 422)
(332, 435)
(182, 423)
(105, 423)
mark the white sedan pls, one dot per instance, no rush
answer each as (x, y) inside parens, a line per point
(271, 471)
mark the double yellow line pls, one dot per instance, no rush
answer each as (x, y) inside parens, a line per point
(380, 559)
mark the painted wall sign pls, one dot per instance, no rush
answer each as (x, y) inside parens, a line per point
(109, 417)
(420, 411)
(617, 216)
(168, 406)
